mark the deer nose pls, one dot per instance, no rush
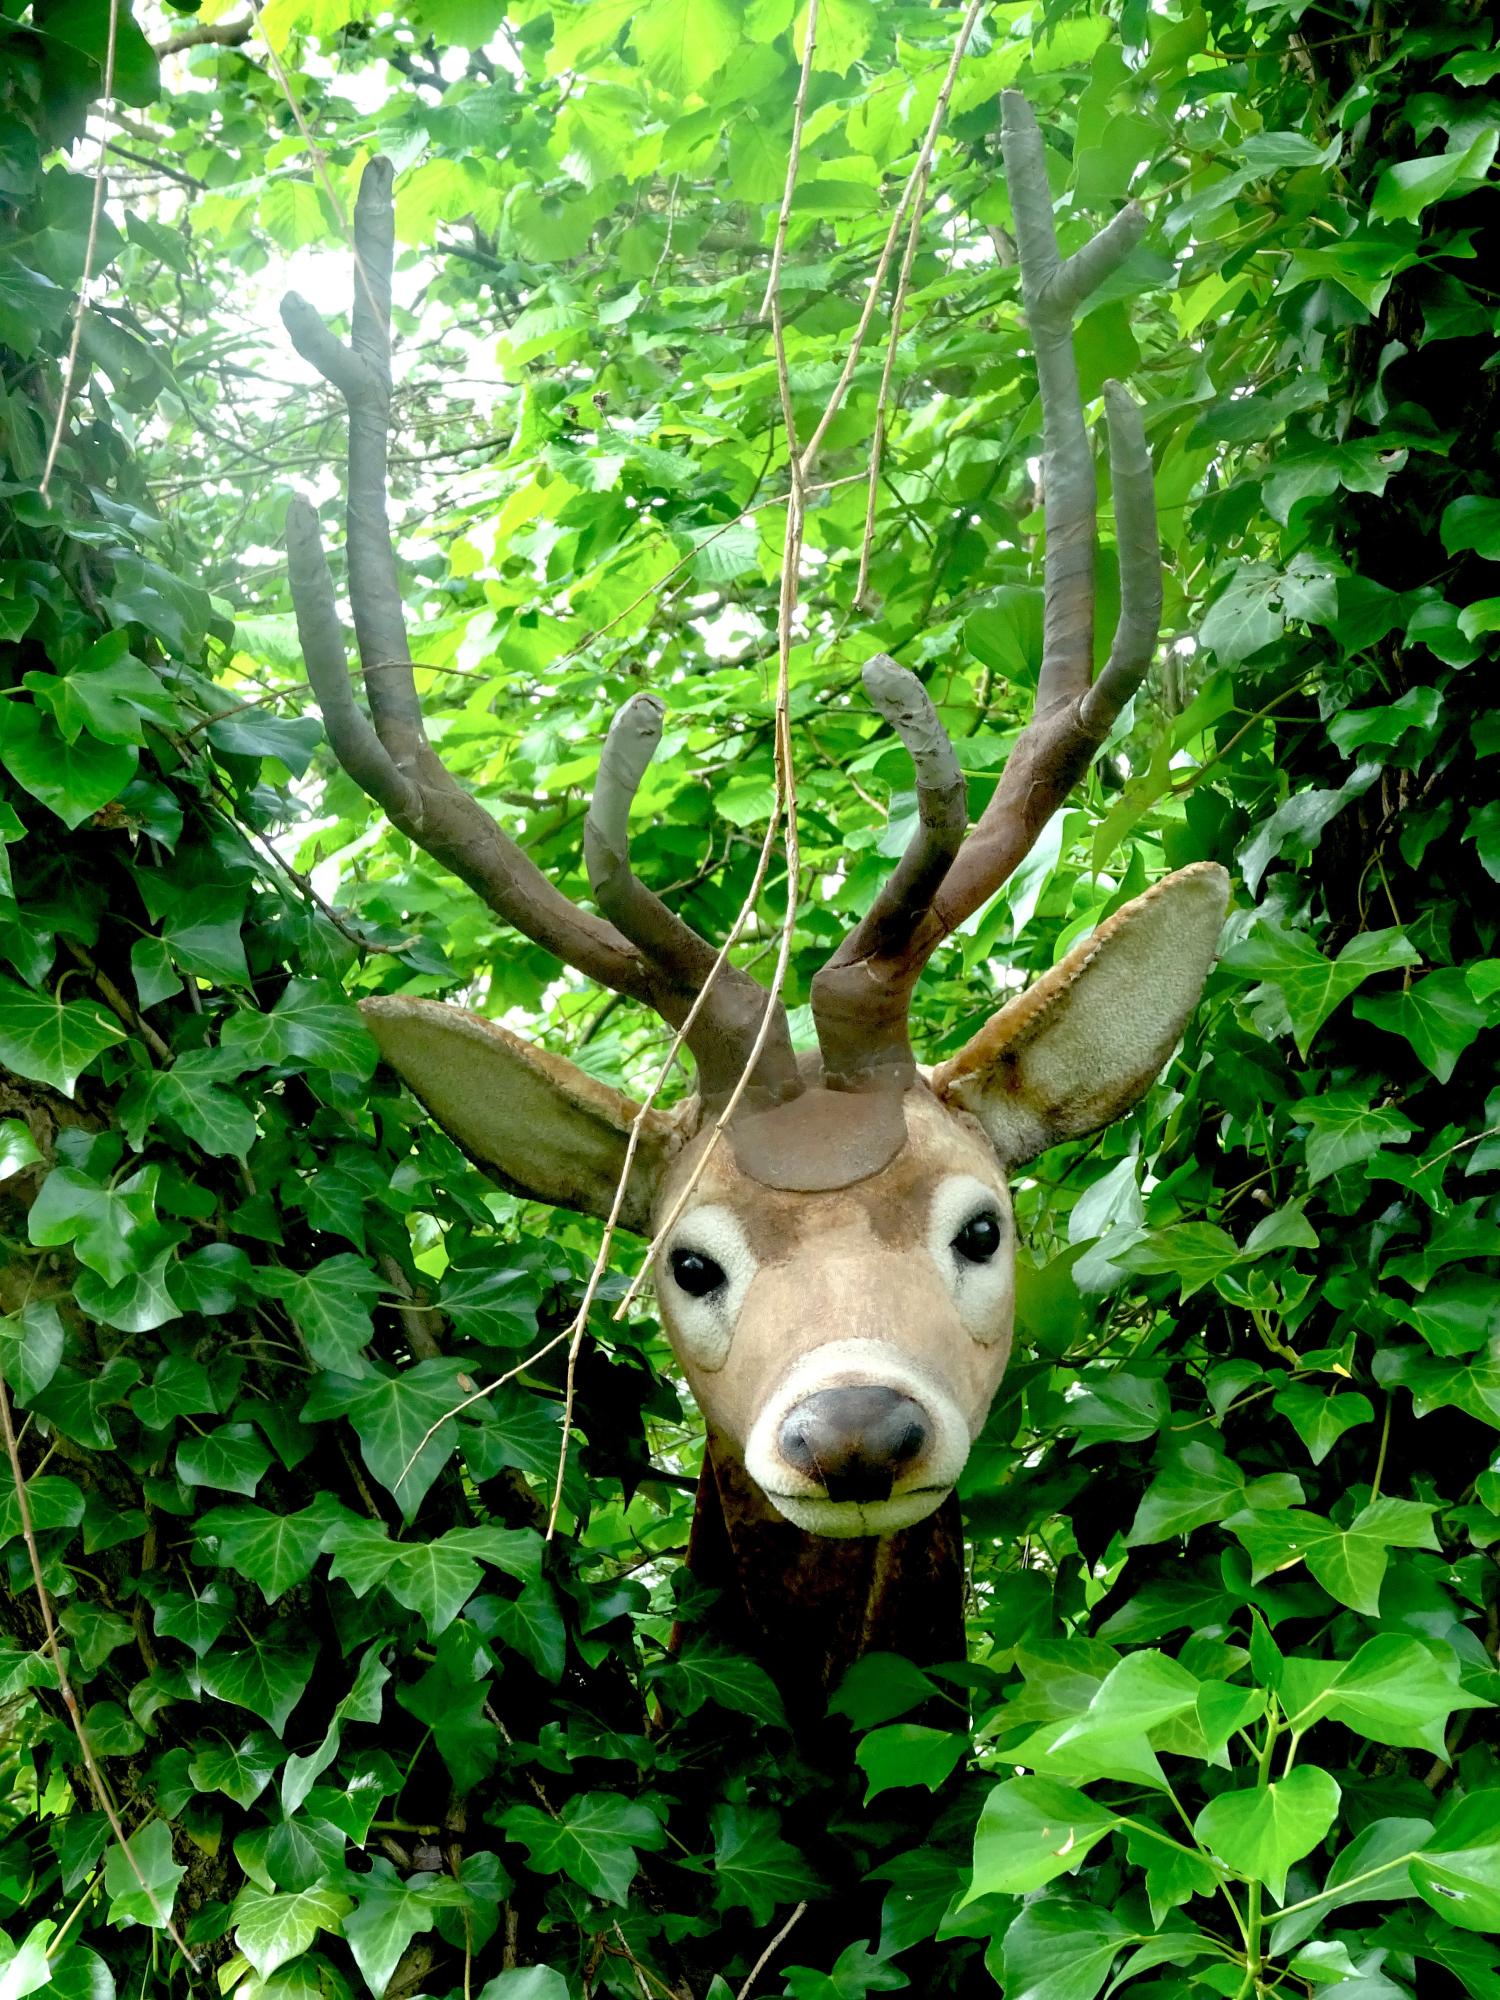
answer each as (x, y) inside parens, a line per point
(854, 1440)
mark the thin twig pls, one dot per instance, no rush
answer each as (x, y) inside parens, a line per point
(775, 1945)
(65, 394)
(794, 154)
(917, 177)
(882, 401)
(65, 1685)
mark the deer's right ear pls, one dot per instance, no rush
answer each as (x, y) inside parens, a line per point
(538, 1123)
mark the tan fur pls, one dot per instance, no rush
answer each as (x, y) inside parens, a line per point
(831, 1206)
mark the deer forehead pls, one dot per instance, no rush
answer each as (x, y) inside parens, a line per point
(888, 1207)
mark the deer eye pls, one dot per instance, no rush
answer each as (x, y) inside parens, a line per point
(979, 1238)
(696, 1274)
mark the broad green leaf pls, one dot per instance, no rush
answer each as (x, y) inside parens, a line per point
(1395, 1690)
(435, 1581)
(532, 1625)
(1457, 1315)
(1058, 1949)
(1458, 1872)
(74, 779)
(311, 1026)
(595, 1840)
(880, 1687)
(1143, 1691)
(1196, 1485)
(908, 1753)
(1032, 1830)
(49, 1040)
(683, 43)
(1260, 1831)
(1374, 1867)
(1472, 522)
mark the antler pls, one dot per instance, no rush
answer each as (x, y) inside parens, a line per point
(861, 997)
(652, 956)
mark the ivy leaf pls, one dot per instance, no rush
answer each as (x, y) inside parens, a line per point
(1321, 1419)
(49, 1040)
(331, 1306)
(705, 1672)
(274, 1551)
(531, 1624)
(271, 1929)
(1348, 1128)
(141, 1878)
(268, 1677)
(1259, 1832)
(18, 1150)
(1309, 985)
(1196, 1485)
(192, 1095)
(311, 1026)
(241, 1774)
(435, 1581)
(390, 1912)
(1457, 1315)
(392, 1415)
(595, 1840)
(1030, 1831)
(753, 1867)
(31, 1347)
(233, 1457)
(1350, 1563)
(1437, 1015)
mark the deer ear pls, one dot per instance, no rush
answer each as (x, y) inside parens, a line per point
(1081, 1045)
(540, 1125)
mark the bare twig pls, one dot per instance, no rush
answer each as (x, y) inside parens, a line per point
(70, 368)
(794, 154)
(916, 180)
(774, 1946)
(225, 34)
(65, 1685)
(882, 401)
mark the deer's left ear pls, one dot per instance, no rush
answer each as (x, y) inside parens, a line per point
(1081, 1045)
(544, 1128)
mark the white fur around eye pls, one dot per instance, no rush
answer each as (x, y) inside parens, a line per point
(982, 1292)
(703, 1328)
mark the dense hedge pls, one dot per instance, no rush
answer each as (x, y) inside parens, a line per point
(1226, 1726)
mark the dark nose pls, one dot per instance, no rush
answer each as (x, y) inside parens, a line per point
(854, 1440)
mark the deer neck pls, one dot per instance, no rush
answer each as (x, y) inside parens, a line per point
(807, 1607)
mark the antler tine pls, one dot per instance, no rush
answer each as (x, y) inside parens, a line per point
(393, 760)
(860, 998)
(733, 1007)
(1073, 713)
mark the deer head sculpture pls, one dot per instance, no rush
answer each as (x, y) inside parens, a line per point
(837, 1285)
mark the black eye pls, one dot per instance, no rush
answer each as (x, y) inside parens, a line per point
(698, 1275)
(979, 1238)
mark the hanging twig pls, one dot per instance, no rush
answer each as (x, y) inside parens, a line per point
(771, 1949)
(70, 369)
(65, 1685)
(882, 401)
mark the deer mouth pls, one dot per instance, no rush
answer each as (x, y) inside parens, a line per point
(852, 1520)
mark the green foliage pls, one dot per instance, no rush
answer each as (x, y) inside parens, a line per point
(1226, 1726)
